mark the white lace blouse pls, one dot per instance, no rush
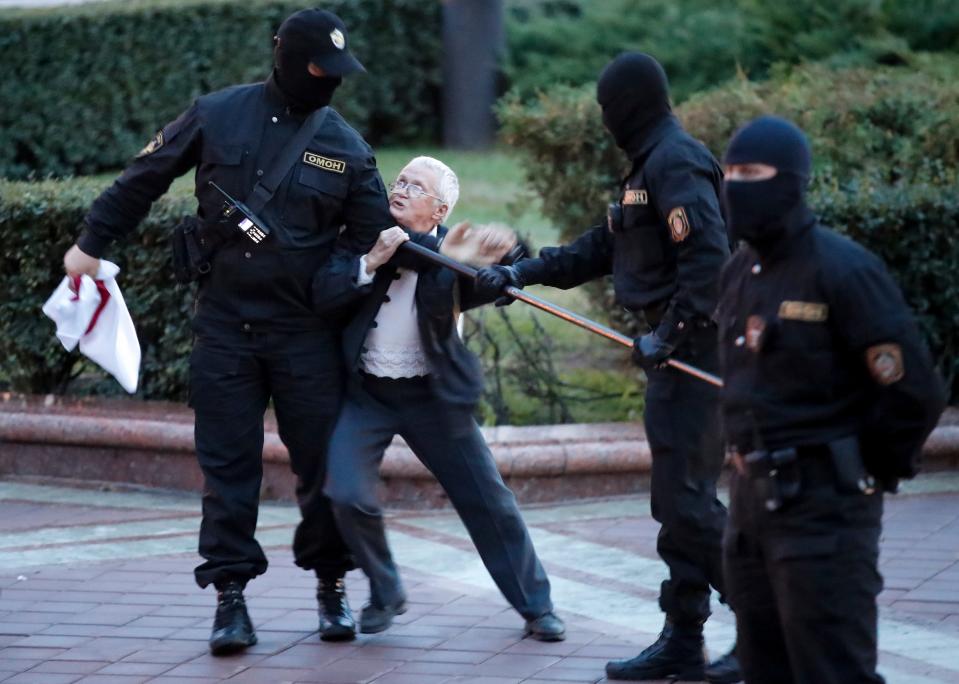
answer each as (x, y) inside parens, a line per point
(393, 348)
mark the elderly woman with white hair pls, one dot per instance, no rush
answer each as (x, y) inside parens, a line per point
(410, 374)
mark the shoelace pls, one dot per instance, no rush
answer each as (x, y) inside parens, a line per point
(228, 603)
(332, 595)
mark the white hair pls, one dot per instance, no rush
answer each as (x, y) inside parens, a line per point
(448, 185)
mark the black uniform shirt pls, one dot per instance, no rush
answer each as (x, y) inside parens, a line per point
(671, 246)
(817, 343)
(230, 137)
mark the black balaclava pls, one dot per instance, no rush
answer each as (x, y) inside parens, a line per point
(764, 213)
(634, 94)
(305, 91)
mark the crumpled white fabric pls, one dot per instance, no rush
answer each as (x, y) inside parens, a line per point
(112, 341)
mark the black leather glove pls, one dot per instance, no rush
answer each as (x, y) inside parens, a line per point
(491, 281)
(651, 351)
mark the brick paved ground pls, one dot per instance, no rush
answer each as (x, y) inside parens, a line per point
(96, 587)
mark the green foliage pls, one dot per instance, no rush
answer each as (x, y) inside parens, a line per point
(568, 42)
(705, 42)
(570, 160)
(892, 119)
(540, 371)
(85, 87)
(925, 24)
(885, 147)
(810, 30)
(37, 220)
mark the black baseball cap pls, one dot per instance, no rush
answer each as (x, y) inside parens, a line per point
(322, 36)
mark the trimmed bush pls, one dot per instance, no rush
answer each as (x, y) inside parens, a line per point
(552, 42)
(37, 221)
(891, 119)
(705, 42)
(886, 151)
(85, 87)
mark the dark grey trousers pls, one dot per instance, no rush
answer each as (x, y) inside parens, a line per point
(449, 443)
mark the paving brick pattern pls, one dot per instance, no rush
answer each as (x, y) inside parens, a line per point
(96, 587)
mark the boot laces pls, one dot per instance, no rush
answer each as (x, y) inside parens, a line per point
(230, 601)
(332, 595)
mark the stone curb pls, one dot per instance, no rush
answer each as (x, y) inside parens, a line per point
(539, 451)
(110, 441)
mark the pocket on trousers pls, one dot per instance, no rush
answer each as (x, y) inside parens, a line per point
(209, 369)
(319, 375)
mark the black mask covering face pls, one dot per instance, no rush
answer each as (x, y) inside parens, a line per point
(634, 95)
(764, 213)
(760, 212)
(305, 91)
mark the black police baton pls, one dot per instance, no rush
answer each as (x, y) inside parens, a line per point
(555, 309)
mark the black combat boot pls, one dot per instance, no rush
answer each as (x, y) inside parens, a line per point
(232, 629)
(678, 654)
(336, 619)
(725, 670)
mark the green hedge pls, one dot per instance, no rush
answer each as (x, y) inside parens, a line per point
(551, 42)
(886, 145)
(704, 42)
(37, 220)
(84, 87)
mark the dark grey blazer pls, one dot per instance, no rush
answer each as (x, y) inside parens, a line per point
(455, 373)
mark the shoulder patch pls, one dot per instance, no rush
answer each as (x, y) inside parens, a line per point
(635, 197)
(678, 224)
(885, 363)
(809, 312)
(155, 143)
(334, 165)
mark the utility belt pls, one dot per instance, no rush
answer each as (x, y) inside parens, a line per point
(780, 475)
(653, 316)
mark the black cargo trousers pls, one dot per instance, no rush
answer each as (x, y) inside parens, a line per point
(682, 422)
(233, 376)
(803, 579)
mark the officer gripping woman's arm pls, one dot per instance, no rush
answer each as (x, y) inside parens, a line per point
(257, 337)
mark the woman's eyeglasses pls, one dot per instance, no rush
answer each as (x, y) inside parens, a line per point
(411, 189)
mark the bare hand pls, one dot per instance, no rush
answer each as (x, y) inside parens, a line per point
(478, 246)
(384, 249)
(76, 262)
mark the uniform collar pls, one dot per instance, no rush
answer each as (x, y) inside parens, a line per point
(275, 96)
(643, 147)
(799, 227)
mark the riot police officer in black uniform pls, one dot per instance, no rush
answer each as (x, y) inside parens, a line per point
(256, 336)
(829, 395)
(665, 244)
